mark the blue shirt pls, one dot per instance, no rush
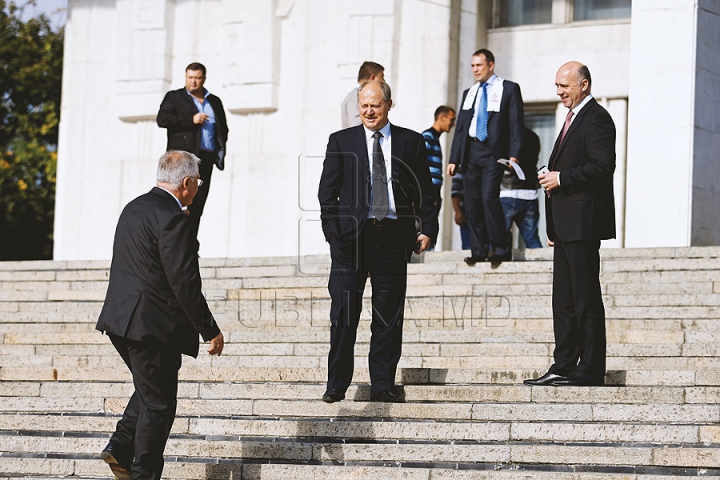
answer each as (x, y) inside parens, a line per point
(207, 129)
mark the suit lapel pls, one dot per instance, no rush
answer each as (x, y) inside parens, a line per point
(573, 126)
(188, 98)
(397, 152)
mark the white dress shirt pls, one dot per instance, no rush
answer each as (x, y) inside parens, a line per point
(386, 147)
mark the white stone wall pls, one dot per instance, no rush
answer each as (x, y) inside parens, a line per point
(673, 128)
(282, 68)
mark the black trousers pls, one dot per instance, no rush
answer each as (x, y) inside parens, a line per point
(378, 251)
(198, 204)
(483, 210)
(145, 426)
(578, 311)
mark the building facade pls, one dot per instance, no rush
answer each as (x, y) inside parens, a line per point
(282, 68)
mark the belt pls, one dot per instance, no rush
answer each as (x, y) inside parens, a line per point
(382, 223)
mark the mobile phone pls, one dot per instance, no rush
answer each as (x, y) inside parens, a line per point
(542, 170)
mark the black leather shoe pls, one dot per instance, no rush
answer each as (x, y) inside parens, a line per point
(386, 396)
(117, 460)
(333, 395)
(546, 379)
(500, 258)
(579, 379)
(473, 260)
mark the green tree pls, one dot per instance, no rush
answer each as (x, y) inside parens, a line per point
(31, 56)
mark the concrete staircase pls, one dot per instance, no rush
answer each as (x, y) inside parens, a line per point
(472, 334)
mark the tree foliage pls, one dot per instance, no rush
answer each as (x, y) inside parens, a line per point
(31, 55)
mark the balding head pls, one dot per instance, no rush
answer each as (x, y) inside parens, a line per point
(374, 101)
(572, 83)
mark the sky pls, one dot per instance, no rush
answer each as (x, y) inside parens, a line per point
(55, 10)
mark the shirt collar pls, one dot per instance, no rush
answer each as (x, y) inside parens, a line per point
(576, 109)
(490, 81)
(173, 195)
(205, 92)
(385, 131)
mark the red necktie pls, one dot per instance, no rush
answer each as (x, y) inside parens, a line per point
(568, 120)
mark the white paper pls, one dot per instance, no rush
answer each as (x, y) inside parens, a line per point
(516, 168)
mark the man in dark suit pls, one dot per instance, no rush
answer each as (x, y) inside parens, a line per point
(489, 127)
(580, 212)
(196, 123)
(375, 185)
(153, 312)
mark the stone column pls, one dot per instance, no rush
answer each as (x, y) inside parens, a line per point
(673, 197)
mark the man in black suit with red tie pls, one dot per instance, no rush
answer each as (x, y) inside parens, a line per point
(580, 212)
(377, 207)
(489, 127)
(153, 312)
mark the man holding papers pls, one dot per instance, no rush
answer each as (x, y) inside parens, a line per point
(519, 192)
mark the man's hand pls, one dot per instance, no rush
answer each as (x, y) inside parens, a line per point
(550, 242)
(549, 181)
(513, 160)
(451, 169)
(216, 345)
(460, 218)
(423, 243)
(200, 118)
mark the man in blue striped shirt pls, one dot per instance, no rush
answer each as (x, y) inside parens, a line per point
(444, 121)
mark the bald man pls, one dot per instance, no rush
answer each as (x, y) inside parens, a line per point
(375, 183)
(580, 212)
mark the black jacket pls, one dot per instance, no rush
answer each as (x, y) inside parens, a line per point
(583, 208)
(176, 114)
(505, 128)
(344, 192)
(528, 159)
(155, 290)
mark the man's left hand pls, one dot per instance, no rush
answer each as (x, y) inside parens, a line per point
(513, 160)
(423, 243)
(216, 345)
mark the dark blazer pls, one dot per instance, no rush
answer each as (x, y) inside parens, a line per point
(155, 290)
(583, 208)
(176, 114)
(505, 128)
(344, 191)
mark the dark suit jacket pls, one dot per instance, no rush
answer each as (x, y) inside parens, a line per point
(155, 290)
(344, 191)
(176, 114)
(505, 128)
(583, 208)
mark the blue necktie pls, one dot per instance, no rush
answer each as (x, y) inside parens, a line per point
(481, 131)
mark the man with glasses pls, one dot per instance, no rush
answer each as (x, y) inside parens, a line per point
(153, 312)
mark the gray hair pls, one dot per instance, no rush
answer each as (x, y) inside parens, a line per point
(386, 93)
(583, 73)
(175, 165)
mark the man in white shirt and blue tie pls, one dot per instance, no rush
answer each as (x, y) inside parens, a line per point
(489, 127)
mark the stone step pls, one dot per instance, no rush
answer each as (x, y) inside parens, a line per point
(86, 469)
(314, 429)
(319, 361)
(465, 453)
(438, 331)
(412, 393)
(488, 411)
(410, 376)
